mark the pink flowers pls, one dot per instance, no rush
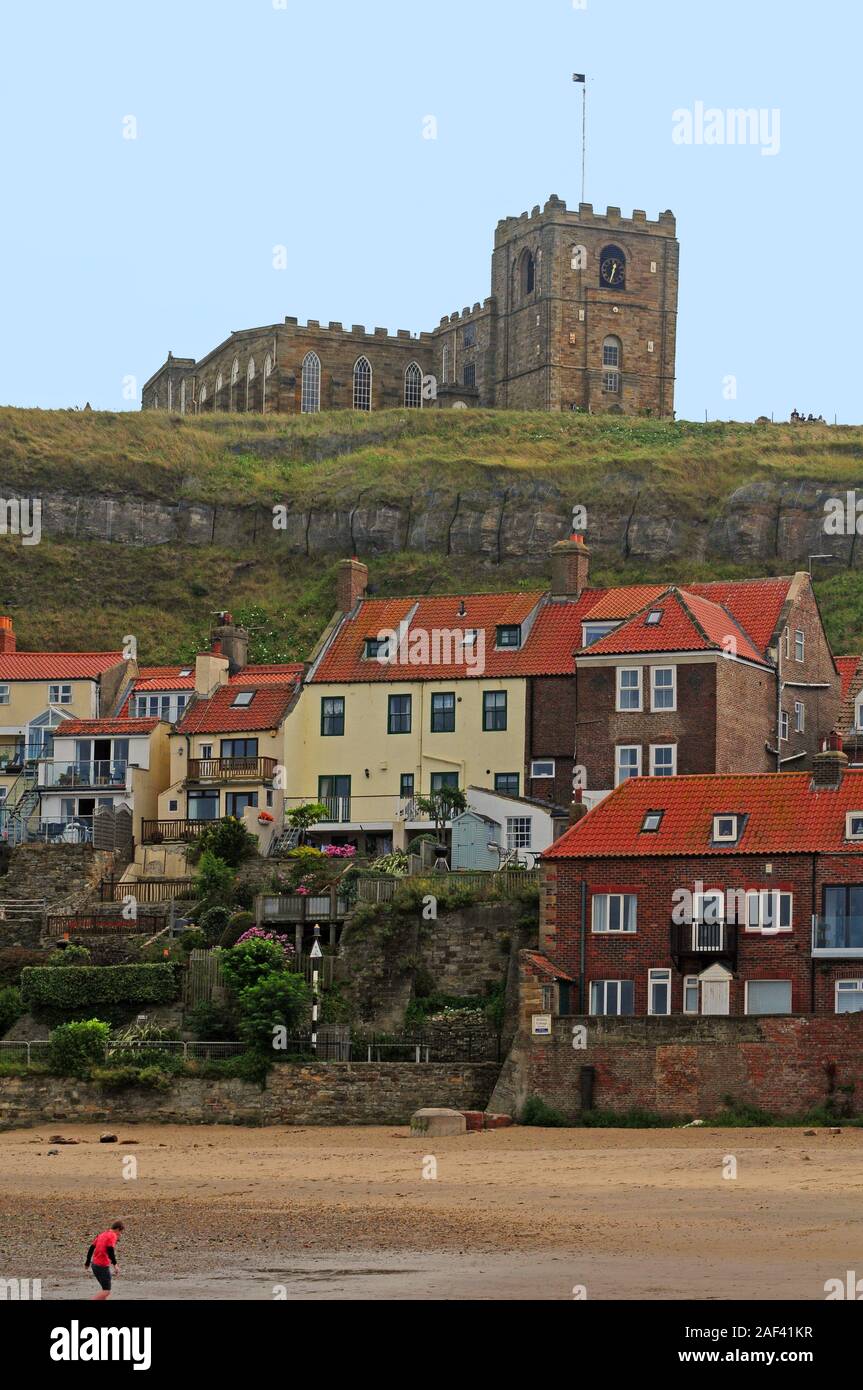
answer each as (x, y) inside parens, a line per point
(339, 851)
(261, 934)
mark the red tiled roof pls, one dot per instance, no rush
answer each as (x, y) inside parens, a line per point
(56, 666)
(688, 623)
(545, 967)
(274, 674)
(218, 715)
(93, 727)
(847, 666)
(344, 659)
(784, 816)
(754, 605)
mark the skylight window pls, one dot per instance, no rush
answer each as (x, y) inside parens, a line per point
(654, 617)
(186, 671)
(652, 822)
(243, 699)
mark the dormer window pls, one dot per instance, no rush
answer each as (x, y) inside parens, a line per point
(854, 825)
(727, 829)
(858, 711)
(376, 649)
(652, 821)
(243, 699)
(594, 632)
(654, 617)
(509, 635)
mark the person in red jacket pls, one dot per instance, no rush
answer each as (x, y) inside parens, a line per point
(101, 1258)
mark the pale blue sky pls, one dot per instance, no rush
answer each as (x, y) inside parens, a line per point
(301, 125)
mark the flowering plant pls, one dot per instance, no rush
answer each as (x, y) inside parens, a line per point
(339, 851)
(264, 934)
(264, 817)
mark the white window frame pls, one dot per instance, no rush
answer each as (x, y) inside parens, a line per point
(692, 982)
(847, 987)
(784, 725)
(515, 832)
(243, 699)
(720, 839)
(638, 689)
(310, 384)
(799, 717)
(626, 748)
(413, 386)
(4, 693)
(780, 981)
(606, 899)
(799, 644)
(658, 977)
(654, 747)
(654, 672)
(761, 896)
(605, 984)
(60, 698)
(542, 762)
(850, 817)
(606, 629)
(362, 384)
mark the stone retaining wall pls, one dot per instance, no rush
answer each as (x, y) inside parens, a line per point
(336, 1093)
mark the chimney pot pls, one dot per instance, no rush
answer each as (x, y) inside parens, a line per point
(8, 642)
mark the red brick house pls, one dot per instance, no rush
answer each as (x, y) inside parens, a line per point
(738, 894)
(727, 676)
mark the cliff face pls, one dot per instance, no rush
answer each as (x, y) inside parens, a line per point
(766, 522)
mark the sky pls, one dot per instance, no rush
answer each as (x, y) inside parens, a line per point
(301, 124)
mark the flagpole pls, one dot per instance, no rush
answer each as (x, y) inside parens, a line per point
(582, 78)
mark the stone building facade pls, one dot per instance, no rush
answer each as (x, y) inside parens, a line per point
(582, 316)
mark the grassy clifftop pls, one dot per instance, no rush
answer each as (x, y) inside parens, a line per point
(82, 591)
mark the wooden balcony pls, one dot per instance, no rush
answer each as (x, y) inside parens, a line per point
(698, 943)
(157, 832)
(231, 769)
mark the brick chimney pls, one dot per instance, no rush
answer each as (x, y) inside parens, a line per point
(228, 639)
(570, 568)
(7, 637)
(828, 769)
(351, 584)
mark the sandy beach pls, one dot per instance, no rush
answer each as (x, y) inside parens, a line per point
(230, 1213)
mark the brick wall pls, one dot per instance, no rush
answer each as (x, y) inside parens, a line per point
(338, 1093)
(783, 956)
(683, 1067)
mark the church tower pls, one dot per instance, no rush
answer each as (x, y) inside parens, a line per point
(587, 311)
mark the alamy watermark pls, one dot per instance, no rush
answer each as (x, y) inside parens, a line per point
(21, 516)
(713, 125)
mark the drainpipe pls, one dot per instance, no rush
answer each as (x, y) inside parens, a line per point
(582, 947)
(812, 917)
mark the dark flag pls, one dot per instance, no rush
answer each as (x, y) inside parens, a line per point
(578, 77)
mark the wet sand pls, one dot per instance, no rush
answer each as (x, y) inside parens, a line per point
(229, 1213)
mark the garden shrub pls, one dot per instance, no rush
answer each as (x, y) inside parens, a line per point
(212, 922)
(215, 881)
(245, 963)
(239, 923)
(536, 1112)
(74, 1048)
(11, 1007)
(192, 939)
(275, 1000)
(227, 839)
(120, 1078)
(68, 991)
(69, 955)
(211, 1022)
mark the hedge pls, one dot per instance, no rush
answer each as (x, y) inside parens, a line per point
(45, 987)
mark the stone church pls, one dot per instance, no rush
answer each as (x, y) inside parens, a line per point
(582, 316)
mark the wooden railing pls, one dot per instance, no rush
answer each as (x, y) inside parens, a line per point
(299, 907)
(159, 831)
(78, 925)
(145, 890)
(230, 769)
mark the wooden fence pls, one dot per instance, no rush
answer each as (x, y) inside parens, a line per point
(203, 977)
(145, 890)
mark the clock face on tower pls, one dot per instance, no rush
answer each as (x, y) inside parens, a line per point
(612, 269)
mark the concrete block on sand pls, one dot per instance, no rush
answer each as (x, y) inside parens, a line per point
(434, 1121)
